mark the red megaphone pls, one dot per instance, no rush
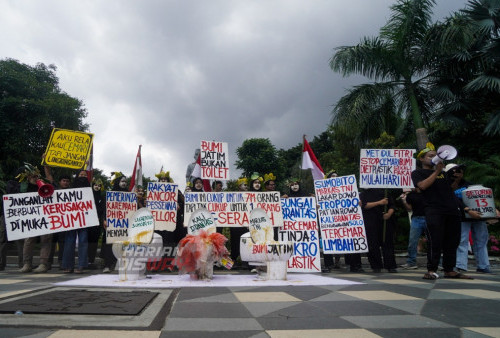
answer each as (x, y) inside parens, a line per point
(44, 189)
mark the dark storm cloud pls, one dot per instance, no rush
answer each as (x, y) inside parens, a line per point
(167, 74)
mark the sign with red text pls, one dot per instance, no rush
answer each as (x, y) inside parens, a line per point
(29, 215)
(68, 149)
(386, 168)
(340, 216)
(161, 200)
(232, 209)
(119, 206)
(214, 160)
(300, 226)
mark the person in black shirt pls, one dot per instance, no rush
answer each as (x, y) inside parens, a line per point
(377, 217)
(442, 215)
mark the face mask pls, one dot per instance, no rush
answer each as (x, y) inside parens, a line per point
(123, 183)
(294, 187)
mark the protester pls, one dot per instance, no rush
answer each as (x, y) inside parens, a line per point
(236, 232)
(141, 197)
(58, 238)
(217, 186)
(474, 225)
(331, 261)
(197, 185)
(269, 182)
(255, 182)
(170, 239)
(28, 179)
(379, 227)
(68, 262)
(94, 233)
(294, 189)
(413, 201)
(118, 183)
(442, 215)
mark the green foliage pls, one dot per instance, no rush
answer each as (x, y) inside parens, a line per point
(258, 155)
(31, 105)
(467, 72)
(232, 185)
(398, 60)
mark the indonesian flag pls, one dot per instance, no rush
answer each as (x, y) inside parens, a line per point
(197, 173)
(137, 173)
(309, 161)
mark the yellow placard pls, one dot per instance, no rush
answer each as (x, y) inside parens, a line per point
(68, 149)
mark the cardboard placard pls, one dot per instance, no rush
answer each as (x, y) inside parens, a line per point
(161, 200)
(68, 149)
(300, 226)
(29, 215)
(119, 206)
(386, 168)
(214, 160)
(340, 216)
(232, 209)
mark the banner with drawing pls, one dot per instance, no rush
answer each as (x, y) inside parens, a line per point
(68, 149)
(161, 200)
(29, 215)
(232, 209)
(386, 168)
(300, 226)
(119, 206)
(340, 216)
(214, 160)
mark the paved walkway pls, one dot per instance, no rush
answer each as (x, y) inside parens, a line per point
(385, 304)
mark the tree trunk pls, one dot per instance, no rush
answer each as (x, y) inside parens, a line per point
(422, 138)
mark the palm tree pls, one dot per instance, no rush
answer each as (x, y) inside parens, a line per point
(398, 60)
(467, 77)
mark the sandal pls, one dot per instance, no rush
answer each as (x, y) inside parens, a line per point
(458, 275)
(431, 276)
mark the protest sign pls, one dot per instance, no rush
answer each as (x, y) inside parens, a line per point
(386, 168)
(301, 227)
(232, 209)
(340, 216)
(161, 200)
(214, 161)
(68, 149)
(142, 226)
(201, 220)
(119, 205)
(30, 215)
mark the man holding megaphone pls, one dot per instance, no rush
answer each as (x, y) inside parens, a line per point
(442, 211)
(30, 181)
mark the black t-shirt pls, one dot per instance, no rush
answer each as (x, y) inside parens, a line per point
(416, 200)
(439, 197)
(374, 214)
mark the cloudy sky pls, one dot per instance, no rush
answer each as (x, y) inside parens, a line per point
(168, 74)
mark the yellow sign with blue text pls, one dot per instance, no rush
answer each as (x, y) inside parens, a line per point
(68, 149)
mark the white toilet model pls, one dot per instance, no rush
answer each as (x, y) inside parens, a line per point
(259, 248)
(143, 245)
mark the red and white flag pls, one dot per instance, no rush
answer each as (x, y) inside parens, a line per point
(136, 179)
(309, 161)
(197, 173)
